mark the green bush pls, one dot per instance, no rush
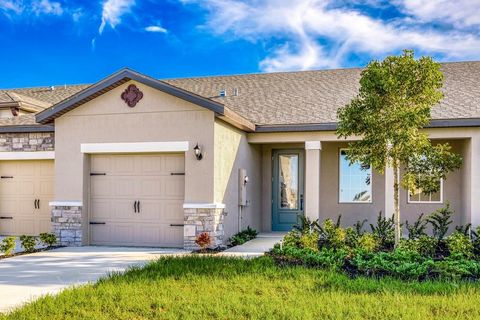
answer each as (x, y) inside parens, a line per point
(440, 221)
(291, 239)
(48, 239)
(459, 244)
(310, 241)
(7, 246)
(28, 243)
(384, 230)
(424, 245)
(243, 236)
(418, 228)
(332, 235)
(368, 243)
(351, 237)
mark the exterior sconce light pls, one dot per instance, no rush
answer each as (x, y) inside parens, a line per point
(198, 152)
(245, 181)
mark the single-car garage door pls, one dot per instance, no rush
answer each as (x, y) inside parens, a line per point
(26, 187)
(137, 200)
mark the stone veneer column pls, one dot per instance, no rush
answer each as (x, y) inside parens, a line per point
(312, 179)
(200, 218)
(67, 224)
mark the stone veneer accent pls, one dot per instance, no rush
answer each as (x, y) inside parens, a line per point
(31, 141)
(198, 220)
(67, 225)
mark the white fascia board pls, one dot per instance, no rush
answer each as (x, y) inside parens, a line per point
(134, 147)
(313, 145)
(65, 203)
(27, 155)
(203, 206)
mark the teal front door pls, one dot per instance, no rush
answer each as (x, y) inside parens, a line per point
(287, 189)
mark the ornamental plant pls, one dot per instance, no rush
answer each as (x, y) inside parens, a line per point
(48, 239)
(391, 109)
(203, 240)
(28, 243)
(7, 246)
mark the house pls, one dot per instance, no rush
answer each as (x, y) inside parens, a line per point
(136, 161)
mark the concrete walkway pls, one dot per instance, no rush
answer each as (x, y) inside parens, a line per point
(256, 247)
(27, 277)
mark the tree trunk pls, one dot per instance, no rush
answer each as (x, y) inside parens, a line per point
(396, 201)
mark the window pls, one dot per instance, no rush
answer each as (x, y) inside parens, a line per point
(417, 196)
(355, 181)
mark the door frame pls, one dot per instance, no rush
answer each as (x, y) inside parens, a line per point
(274, 184)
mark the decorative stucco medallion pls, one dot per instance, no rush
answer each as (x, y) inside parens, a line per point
(132, 95)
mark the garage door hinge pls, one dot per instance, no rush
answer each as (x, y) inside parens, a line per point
(6, 177)
(6, 218)
(177, 173)
(97, 222)
(97, 174)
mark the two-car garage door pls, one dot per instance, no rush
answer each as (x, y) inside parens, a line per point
(26, 187)
(136, 200)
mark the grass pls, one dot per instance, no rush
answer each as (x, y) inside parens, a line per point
(226, 288)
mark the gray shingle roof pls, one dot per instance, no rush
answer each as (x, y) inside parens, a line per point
(305, 97)
(314, 96)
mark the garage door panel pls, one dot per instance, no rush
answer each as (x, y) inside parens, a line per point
(27, 180)
(148, 179)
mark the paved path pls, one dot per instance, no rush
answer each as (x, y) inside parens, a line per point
(256, 247)
(24, 278)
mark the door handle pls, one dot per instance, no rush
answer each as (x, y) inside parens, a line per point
(138, 206)
(135, 206)
(301, 202)
(35, 203)
(38, 203)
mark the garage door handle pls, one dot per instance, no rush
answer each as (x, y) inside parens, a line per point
(176, 225)
(6, 177)
(97, 222)
(135, 207)
(35, 203)
(138, 205)
(6, 218)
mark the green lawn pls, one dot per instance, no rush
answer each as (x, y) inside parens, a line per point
(211, 288)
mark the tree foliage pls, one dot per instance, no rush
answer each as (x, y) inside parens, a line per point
(388, 114)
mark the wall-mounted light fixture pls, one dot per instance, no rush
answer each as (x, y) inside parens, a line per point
(245, 180)
(198, 152)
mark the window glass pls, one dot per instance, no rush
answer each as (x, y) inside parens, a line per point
(418, 196)
(288, 178)
(355, 181)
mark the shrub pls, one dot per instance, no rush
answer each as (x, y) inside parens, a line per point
(28, 243)
(417, 229)
(426, 245)
(384, 231)
(459, 245)
(358, 226)
(309, 241)
(48, 239)
(7, 246)
(203, 240)
(306, 225)
(291, 239)
(440, 221)
(332, 235)
(351, 237)
(243, 236)
(368, 243)
(476, 241)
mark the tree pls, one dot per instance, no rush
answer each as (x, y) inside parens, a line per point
(393, 106)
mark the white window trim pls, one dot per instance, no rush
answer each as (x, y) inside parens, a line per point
(339, 184)
(134, 147)
(427, 202)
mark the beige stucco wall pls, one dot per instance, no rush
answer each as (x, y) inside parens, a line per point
(233, 152)
(158, 117)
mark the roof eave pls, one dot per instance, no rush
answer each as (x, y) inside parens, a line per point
(115, 80)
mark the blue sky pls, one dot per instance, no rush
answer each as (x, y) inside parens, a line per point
(54, 42)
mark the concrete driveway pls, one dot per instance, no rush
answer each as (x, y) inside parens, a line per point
(27, 277)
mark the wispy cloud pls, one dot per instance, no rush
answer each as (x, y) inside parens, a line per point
(310, 34)
(155, 29)
(112, 12)
(47, 7)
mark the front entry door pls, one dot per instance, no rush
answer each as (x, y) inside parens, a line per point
(287, 189)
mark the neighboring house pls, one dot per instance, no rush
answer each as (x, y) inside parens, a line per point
(117, 162)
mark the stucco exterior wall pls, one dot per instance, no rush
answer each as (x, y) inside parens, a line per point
(158, 117)
(233, 152)
(329, 190)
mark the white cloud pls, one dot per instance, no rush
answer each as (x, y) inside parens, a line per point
(317, 34)
(47, 7)
(11, 6)
(461, 13)
(112, 11)
(156, 29)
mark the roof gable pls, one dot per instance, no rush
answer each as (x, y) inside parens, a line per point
(116, 80)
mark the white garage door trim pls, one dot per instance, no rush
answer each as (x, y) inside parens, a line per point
(28, 155)
(134, 147)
